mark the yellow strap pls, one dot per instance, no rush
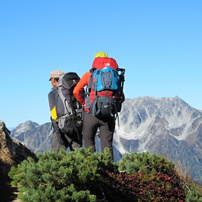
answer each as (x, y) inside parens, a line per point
(54, 113)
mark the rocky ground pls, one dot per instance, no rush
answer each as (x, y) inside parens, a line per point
(12, 152)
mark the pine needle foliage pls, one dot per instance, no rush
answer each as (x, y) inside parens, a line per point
(147, 163)
(62, 176)
(84, 176)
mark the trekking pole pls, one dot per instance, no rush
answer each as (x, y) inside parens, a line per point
(122, 79)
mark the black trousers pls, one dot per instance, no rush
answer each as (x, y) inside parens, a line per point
(64, 141)
(90, 126)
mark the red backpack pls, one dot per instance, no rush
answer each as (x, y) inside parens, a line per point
(105, 87)
(102, 62)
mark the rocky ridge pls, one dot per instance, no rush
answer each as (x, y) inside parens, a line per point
(12, 152)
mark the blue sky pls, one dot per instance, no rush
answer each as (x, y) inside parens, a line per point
(158, 42)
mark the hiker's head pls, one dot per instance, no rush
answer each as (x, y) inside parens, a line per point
(54, 77)
(100, 55)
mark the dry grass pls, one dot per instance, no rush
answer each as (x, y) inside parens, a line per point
(184, 174)
(6, 158)
(185, 177)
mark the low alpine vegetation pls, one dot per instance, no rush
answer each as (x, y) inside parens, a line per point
(84, 176)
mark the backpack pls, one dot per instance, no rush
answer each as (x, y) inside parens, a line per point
(106, 89)
(69, 110)
(102, 62)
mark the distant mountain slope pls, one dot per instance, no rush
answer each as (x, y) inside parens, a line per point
(164, 126)
(36, 137)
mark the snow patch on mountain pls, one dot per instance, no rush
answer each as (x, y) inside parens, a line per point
(141, 117)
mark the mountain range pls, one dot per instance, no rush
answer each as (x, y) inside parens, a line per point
(165, 126)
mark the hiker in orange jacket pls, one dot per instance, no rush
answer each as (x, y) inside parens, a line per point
(92, 123)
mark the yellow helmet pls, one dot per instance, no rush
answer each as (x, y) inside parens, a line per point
(100, 55)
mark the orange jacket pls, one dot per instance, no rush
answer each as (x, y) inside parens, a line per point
(79, 87)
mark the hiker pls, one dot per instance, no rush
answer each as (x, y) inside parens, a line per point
(93, 119)
(60, 139)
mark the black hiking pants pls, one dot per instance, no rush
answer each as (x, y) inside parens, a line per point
(90, 126)
(64, 141)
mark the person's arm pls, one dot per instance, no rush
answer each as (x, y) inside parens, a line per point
(80, 86)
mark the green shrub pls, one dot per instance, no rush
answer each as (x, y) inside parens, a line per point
(84, 176)
(192, 194)
(62, 176)
(147, 163)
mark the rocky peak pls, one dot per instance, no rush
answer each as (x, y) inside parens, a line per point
(140, 113)
(12, 151)
(166, 126)
(23, 127)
